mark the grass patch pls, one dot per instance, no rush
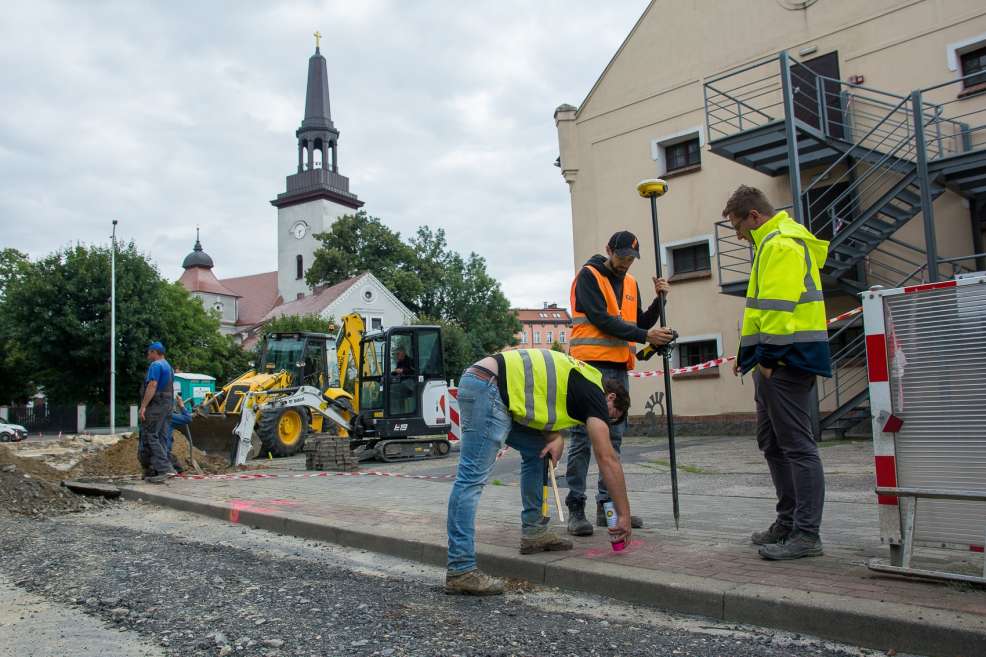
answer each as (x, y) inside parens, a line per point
(693, 469)
(497, 482)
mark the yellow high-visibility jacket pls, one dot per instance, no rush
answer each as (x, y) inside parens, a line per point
(537, 387)
(784, 321)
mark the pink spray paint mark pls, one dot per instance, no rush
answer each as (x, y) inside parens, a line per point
(595, 553)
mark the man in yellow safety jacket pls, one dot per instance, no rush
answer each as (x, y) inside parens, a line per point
(785, 340)
(523, 398)
(607, 318)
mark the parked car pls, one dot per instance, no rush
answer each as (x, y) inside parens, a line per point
(12, 433)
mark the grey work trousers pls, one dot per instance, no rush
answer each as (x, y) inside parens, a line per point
(784, 435)
(580, 449)
(152, 449)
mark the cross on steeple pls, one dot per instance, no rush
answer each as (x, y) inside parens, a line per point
(318, 38)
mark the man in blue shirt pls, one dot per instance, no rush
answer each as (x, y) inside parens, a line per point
(156, 401)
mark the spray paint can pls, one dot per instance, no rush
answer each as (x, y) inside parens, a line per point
(611, 519)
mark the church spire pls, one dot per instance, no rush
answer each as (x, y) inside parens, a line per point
(318, 174)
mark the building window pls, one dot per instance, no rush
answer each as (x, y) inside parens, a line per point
(690, 258)
(973, 63)
(682, 155)
(299, 264)
(547, 339)
(694, 353)
(537, 337)
(523, 337)
(561, 337)
(377, 324)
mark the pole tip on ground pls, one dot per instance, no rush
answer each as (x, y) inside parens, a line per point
(652, 187)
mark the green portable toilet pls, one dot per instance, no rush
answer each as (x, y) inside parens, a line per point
(194, 386)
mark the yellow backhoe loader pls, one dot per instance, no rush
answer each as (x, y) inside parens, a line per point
(384, 391)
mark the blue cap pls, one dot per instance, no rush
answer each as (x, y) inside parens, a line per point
(156, 346)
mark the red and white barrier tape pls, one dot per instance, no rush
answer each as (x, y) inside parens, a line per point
(846, 315)
(309, 475)
(719, 361)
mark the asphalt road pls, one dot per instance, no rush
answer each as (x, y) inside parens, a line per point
(138, 580)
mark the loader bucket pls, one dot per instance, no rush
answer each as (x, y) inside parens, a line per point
(214, 433)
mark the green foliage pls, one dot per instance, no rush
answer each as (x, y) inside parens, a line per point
(15, 382)
(59, 316)
(358, 243)
(429, 278)
(556, 346)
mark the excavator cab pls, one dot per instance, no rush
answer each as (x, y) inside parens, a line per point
(402, 383)
(304, 356)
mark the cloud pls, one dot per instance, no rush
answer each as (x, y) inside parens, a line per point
(168, 116)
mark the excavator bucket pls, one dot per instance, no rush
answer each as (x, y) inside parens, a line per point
(214, 433)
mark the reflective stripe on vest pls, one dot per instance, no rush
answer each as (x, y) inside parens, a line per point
(757, 306)
(537, 387)
(588, 342)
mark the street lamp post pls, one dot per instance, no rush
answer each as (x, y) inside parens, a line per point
(113, 330)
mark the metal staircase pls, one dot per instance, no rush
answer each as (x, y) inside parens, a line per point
(869, 162)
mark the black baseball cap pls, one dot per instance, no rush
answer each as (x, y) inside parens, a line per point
(624, 243)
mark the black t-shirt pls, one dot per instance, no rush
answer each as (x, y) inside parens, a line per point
(585, 398)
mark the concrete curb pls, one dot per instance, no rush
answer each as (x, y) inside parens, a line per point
(877, 625)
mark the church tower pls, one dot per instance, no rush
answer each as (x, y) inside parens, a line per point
(317, 194)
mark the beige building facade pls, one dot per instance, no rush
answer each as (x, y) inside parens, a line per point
(648, 116)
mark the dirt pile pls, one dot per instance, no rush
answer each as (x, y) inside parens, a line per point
(31, 488)
(120, 460)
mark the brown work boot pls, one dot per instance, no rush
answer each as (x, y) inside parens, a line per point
(475, 582)
(546, 542)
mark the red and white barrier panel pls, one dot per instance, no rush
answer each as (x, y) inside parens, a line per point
(455, 433)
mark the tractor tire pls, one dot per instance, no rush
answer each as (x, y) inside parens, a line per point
(283, 431)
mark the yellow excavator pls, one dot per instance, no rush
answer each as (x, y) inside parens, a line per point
(385, 391)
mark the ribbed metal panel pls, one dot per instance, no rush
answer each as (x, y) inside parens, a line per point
(937, 345)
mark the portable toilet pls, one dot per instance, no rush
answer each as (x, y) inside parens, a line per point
(193, 387)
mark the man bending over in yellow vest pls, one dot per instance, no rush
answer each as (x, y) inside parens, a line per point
(523, 398)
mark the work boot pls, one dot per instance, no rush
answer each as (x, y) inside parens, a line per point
(774, 534)
(635, 521)
(796, 546)
(158, 478)
(577, 523)
(475, 582)
(544, 542)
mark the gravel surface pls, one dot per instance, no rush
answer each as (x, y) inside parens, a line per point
(195, 586)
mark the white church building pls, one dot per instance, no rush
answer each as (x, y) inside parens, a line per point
(315, 196)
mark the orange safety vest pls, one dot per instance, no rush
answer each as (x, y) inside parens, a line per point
(588, 343)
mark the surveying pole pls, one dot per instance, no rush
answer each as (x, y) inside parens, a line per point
(653, 188)
(113, 330)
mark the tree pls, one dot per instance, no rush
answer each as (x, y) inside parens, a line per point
(59, 317)
(15, 379)
(358, 243)
(428, 277)
(556, 346)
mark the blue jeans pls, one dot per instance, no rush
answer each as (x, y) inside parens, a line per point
(486, 427)
(580, 449)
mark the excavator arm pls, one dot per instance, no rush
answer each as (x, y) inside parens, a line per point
(348, 345)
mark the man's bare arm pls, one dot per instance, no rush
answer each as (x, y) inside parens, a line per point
(610, 470)
(148, 395)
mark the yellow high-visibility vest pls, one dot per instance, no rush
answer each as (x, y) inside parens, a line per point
(537, 387)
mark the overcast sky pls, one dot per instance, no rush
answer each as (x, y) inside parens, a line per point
(169, 115)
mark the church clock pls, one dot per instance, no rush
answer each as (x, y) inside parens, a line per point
(299, 230)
